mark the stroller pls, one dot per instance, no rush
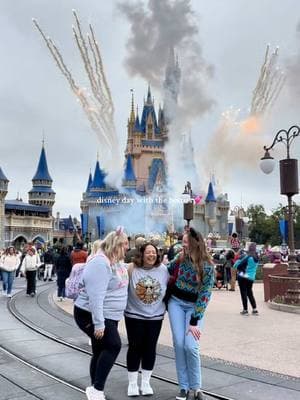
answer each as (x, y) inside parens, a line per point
(40, 272)
(221, 279)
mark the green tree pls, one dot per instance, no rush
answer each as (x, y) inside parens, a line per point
(263, 229)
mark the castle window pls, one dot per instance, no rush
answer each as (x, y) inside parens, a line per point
(150, 126)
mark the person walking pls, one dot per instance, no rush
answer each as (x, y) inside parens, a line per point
(63, 269)
(78, 255)
(246, 268)
(193, 273)
(144, 313)
(48, 261)
(100, 305)
(9, 264)
(30, 266)
(230, 273)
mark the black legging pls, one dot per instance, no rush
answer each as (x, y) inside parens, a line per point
(105, 350)
(246, 292)
(31, 282)
(142, 340)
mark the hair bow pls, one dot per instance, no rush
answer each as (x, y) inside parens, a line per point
(119, 230)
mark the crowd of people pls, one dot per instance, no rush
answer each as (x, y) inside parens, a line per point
(140, 284)
(33, 263)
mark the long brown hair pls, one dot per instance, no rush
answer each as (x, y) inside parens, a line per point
(198, 252)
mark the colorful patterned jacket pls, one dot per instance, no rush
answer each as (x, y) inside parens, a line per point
(187, 287)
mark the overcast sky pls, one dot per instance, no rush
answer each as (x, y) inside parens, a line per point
(34, 96)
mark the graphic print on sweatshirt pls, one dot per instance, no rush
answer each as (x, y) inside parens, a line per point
(148, 290)
(122, 274)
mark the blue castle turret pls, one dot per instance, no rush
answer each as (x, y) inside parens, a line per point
(129, 180)
(42, 193)
(89, 184)
(149, 117)
(211, 207)
(210, 194)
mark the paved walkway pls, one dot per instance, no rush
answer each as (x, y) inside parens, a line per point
(269, 341)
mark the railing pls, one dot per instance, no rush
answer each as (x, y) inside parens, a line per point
(285, 289)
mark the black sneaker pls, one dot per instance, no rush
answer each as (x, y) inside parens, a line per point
(244, 312)
(199, 395)
(182, 395)
(255, 312)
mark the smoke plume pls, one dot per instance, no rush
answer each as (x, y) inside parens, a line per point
(234, 145)
(154, 29)
(293, 69)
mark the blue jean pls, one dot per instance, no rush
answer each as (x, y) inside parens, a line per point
(8, 278)
(187, 356)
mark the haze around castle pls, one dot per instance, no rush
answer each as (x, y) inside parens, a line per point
(35, 99)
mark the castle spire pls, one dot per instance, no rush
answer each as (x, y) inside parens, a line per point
(42, 193)
(42, 172)
(90, 181)
(210, 194)
(99, 177)
(132, 115)
(149, 96)
(171, 85)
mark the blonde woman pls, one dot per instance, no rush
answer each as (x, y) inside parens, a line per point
(193, 273)
(100, 306)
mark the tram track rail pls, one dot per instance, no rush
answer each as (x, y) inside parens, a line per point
(11, 305)
(56, 379)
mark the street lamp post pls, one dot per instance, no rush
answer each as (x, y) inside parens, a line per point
(188, 204)
(288, 182)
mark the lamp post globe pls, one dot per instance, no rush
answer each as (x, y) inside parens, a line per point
(267, 163)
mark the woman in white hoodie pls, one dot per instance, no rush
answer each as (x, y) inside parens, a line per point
(9, 264)
(30, 265)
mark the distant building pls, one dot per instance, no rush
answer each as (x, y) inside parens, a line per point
(66, 231)
(22, 222)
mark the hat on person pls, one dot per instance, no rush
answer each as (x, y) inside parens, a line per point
(252, 247)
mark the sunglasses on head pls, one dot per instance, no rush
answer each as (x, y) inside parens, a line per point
(194, 234)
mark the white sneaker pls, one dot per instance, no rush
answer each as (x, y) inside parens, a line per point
(146, 389)
(133, 390)
(9, 295)
(94, 394)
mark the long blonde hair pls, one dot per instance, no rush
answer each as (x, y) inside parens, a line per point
(96, 246)
(112, 245)
(198, 252)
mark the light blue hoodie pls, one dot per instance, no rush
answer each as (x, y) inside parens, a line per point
(250, 269)
(104, 291)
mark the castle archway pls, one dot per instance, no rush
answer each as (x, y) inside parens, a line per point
(38, 241)
(19, 242)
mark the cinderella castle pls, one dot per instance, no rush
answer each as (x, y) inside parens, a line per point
(141, 204)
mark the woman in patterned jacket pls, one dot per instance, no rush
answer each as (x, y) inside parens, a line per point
(194, 279)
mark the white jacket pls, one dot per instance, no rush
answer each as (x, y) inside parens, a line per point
(31, 263)
(9, 263)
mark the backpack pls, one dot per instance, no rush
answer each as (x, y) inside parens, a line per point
(73, 283)
(243, 265)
